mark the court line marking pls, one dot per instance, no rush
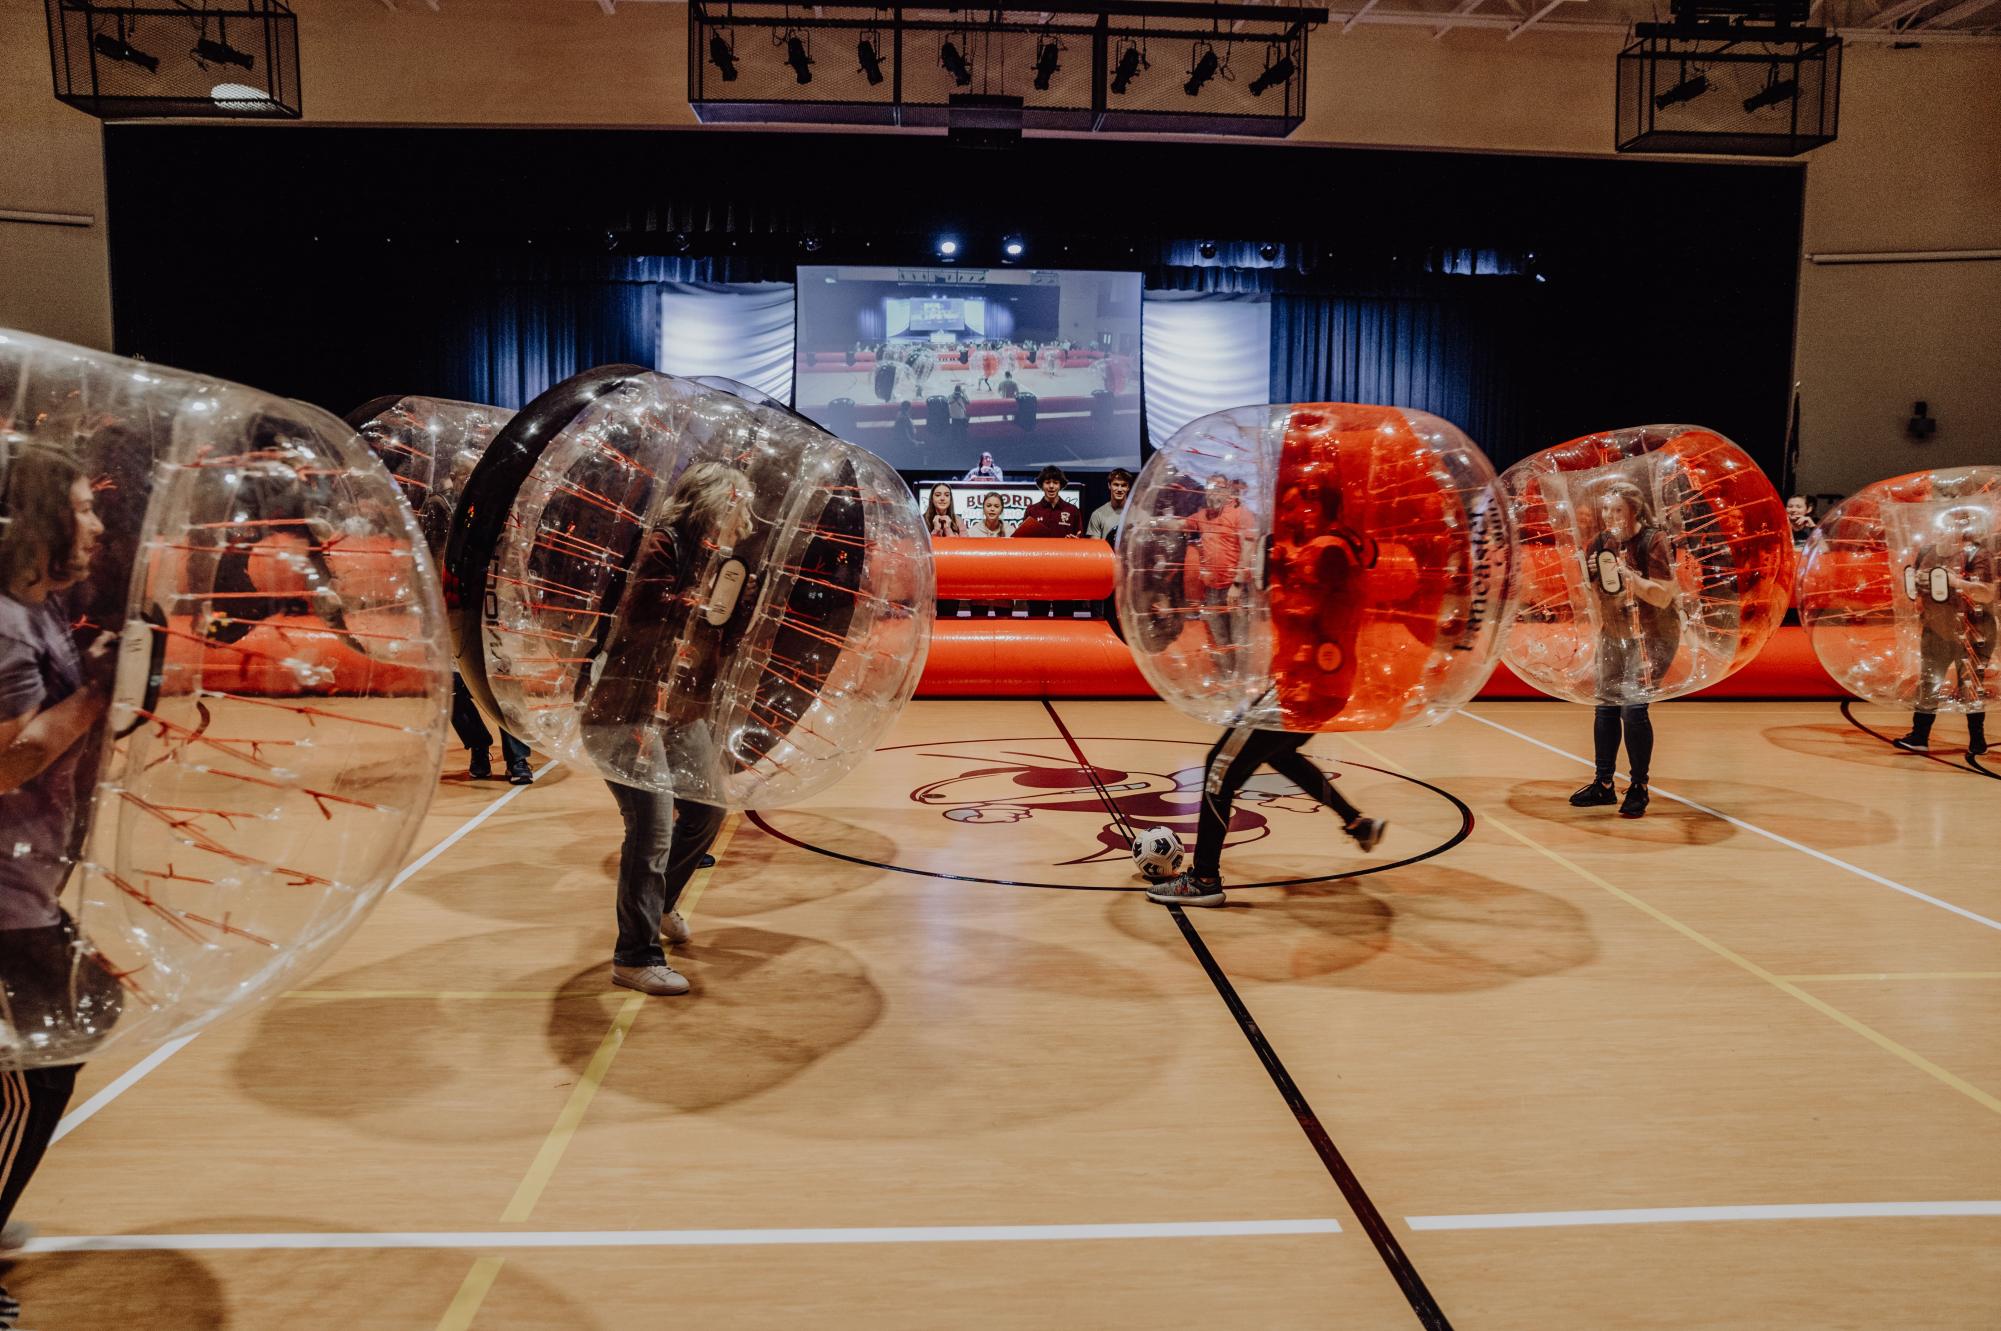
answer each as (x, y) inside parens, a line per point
(686, 1238)
(1679, 1215)
(472, 1293)
(83, 1113)
(1769, 835)
(325, 995)
(558, 1140)
(1826, 1009)
(1897, 975)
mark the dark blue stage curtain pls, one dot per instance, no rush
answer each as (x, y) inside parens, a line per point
(1449, 355)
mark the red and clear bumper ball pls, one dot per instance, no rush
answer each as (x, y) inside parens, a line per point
(1650, 562)
(1308, 567)
(224, 677)
(1900, 590)
(688, 591)
(430, 446)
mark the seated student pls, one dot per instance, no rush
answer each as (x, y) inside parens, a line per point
(990, 523)
(986, 471)
(1799, 517)
(943, 521)
(1050, 516)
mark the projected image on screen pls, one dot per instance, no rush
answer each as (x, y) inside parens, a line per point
(929, 368)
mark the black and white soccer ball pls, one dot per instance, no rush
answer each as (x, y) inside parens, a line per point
(1158, 853)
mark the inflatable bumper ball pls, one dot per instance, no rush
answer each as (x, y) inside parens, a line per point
(1313, 567)
(430, 445)
(1649, 563)
(224, 677)
(686, 591)
(1900, 590)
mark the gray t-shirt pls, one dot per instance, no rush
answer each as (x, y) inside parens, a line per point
(1104, 523)
(39, 667)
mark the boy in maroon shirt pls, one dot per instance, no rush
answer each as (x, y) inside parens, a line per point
(1050, 516)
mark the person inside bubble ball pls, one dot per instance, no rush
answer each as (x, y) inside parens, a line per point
(1236, 758)
(1224, 531)
(1955, 581)
(52, 698)
(1629, 571)
(654, 668)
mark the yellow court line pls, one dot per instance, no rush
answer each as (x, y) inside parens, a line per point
(692, 895)
(1867, 1032)
(558, 1140)
(451, 993)
(465, 1306)
(1898, 975)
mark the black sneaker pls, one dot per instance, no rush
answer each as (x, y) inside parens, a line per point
(1598, 792)
(1368, 832)
(1913, 743)
(1976, 745)
(1635, 803)
(706, 862)
(479, 764)
(520, 773)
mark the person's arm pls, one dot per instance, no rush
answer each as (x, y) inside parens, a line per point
(1657, 590)
(31, 741)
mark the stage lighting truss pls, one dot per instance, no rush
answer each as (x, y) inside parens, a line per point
(1743, 77)
(1074, 65)
(233, 60)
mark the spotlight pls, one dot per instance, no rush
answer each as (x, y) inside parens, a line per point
(117, 48)
(947, 247)
(1778, 90)
(1207, 249)
(1275, 75)
(1130, 65)
(949, 56)
(871, 62)
(1013, 247)
(1201, 72)
(722, 57)
(811, 244)
(1268, 252)
(1686, 91)
(682, 242)
(795, 56)
(220, 53)
(1046, 52)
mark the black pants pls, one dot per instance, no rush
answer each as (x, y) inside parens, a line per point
(471, 729)
(31, 1105)
(1976, 726)
(1236, 757)
(1607, 728)
(660, 854)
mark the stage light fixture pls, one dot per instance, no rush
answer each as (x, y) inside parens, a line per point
(871, 62)
(947, 247)
(1268, 252)
(810, 244)
(117, 48)
(956, 64)
(1201, 71)
(801, 62)
(682, 242)
(1046, 52)
(1778, 90)
(1275, 75)
(1686, 91)
(220, 52)
(1013, 247)
(1207, 249)
(1130, 64)
(722, 57)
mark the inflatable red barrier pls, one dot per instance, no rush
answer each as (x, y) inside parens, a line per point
(978, 569)
(1029, 658)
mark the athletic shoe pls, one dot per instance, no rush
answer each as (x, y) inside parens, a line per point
(673, 928)
(662, 981)
(14, 1236)
(10, 1309)
(1913, 743)
(707, 862)
(1976, 745)
(1598, 792)
(1368, 832)
(479, 764)
(519, 773)
(1186, 890)
(1635, 805)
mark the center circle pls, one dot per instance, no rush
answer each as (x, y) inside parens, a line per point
(999, 785)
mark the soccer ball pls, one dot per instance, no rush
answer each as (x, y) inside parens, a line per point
(1157, 852)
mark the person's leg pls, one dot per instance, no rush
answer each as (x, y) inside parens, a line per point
(1976, 733)
(1236, 755)
(471, 729)
(515, 751)
(1287, 760)
(1639, 728)
(31, 1104)
(642, 868)
(694, 832)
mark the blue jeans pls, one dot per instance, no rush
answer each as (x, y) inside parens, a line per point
(656, 860)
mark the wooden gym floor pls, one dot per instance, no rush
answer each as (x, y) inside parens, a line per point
(1733, 1065)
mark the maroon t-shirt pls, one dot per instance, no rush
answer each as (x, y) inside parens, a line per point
(1047, 518)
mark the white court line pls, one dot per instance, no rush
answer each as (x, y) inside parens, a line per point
(685, 1238)
(1804, 849)
(83, 1113)
(1680, 1215)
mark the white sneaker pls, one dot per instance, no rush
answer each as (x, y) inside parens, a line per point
(661, 981)
(673, 928)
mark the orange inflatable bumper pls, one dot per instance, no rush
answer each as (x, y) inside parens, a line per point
(977, 569)
(1029, 658)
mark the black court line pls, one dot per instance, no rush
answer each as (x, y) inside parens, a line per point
(1422, 1302)
(1971, 763)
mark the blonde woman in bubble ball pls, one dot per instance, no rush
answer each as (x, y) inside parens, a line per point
(710, 508)
(1629, 567)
